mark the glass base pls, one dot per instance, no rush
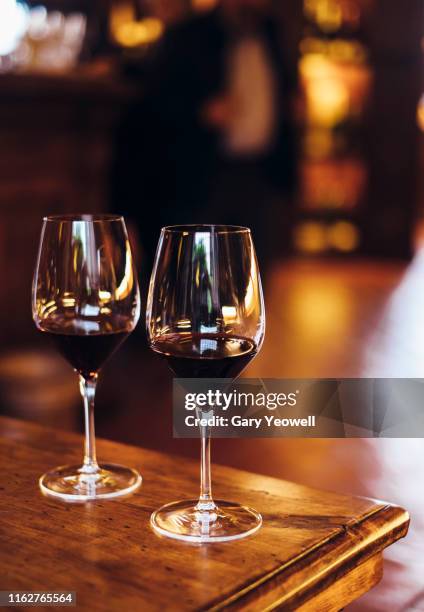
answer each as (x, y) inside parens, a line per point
(70, 484)
(183, 521)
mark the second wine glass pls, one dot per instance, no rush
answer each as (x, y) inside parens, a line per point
(86, 299)
(206, 318)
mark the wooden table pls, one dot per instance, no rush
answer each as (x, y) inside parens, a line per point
(316, 550)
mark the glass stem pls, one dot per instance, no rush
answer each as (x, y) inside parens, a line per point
(206, 503)
(88, 392)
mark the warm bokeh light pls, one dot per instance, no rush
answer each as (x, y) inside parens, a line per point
(138, 33)
(420, 113)
(343, 236)
(316, 237)
(338, 50)
(331, 15)
(318, 143)
(127, 31)
(327, 14)
(120, 14)
(310, 237)
(203, 5)
(332, 185)
(336, 80)
(327, 97)
(328, 102)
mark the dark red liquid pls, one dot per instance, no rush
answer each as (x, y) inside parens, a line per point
(86, 345)
(205, 355)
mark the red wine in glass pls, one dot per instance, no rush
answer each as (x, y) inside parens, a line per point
(205, 355)
(85, 344)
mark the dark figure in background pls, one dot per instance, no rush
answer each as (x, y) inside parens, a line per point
(212, 138)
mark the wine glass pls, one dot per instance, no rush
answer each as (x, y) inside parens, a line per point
(206, 318)
(85, 298)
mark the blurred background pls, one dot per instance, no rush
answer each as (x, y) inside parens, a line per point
(301, 119)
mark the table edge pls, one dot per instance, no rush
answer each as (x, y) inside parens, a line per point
(396, 522)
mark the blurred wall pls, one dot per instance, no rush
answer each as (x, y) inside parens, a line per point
(56, 136)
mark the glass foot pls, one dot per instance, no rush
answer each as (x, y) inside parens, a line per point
(70, 484)
(183, 521)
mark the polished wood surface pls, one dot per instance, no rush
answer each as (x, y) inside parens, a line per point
(314, 546)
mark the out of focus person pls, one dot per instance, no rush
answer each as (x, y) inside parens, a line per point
(212, 139)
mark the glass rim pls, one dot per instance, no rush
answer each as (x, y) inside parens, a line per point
(82, 218)
(193, 228)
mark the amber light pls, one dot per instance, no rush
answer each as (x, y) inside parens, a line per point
(203, 5)
(312, 237)
(420, 113)
(127, 31)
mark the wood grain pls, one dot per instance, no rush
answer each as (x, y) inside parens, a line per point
(313, 547)
(348, 588)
